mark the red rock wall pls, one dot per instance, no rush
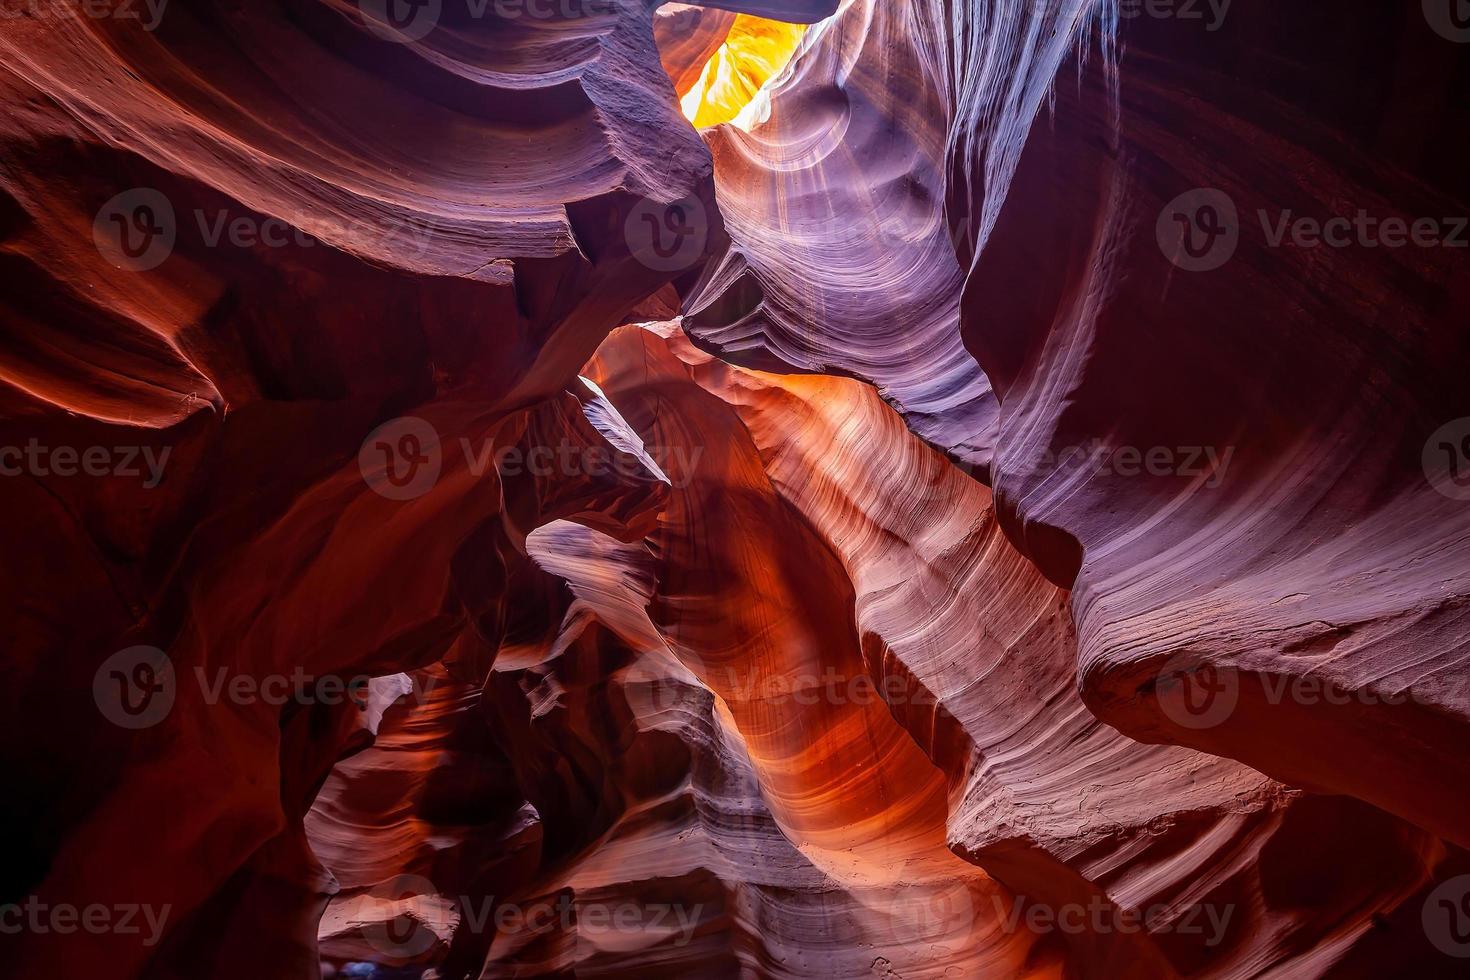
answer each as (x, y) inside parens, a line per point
(932, 528)
(1327, 555)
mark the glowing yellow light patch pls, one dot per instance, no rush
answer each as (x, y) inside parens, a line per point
(754, 52)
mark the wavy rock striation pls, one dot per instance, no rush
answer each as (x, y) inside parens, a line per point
(839, 257)
(1273, 522)
(1128, 291)
(971, 652)
(242, 241)
(1020, 548)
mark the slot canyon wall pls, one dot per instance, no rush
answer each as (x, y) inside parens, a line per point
(992, 499)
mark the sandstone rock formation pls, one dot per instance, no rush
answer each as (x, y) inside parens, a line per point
(1326, 552)
(594, 488)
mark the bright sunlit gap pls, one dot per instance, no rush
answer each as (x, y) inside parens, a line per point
(754, 52)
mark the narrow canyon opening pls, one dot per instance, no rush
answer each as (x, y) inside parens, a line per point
(831, 488)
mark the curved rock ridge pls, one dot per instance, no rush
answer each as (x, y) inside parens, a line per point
(164, 110)
(757, 609)
(839, 258)
(1297, 544)
(315, 274)
(455, 843)
(992, 504)
(968, 647)
(1281, 513)
(243, 767)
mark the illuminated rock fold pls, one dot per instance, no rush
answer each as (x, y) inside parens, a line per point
(605, 489)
